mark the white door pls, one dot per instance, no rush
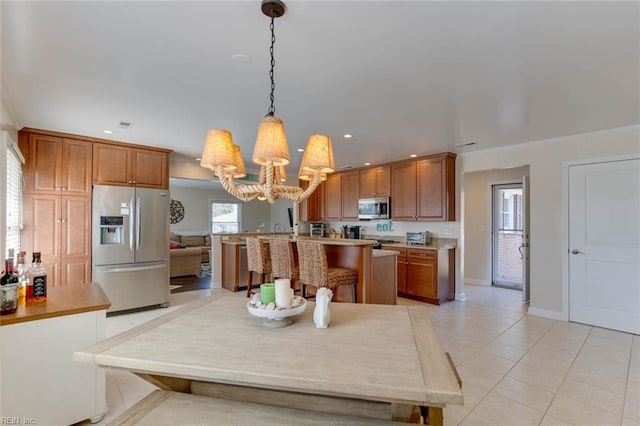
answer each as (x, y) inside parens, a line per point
(604, 244)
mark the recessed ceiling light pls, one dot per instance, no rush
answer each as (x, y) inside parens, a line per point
(367, 164)
(300, 149)
(348, 135)
(241, 59)
(109, 132)
(413, 155)
(198, 159)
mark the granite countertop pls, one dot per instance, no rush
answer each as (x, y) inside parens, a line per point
(61, 300)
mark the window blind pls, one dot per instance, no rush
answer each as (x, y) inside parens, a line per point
(14, 197)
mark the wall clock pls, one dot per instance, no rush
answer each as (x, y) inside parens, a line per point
(176, 211)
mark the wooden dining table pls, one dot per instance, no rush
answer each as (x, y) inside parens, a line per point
(375, 361)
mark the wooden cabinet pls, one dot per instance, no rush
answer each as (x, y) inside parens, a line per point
(333, 197)
(403, 188)
(57, 204)
(57, 165)
(425, 275)
(60, 228)
(350, 194)
(311, 209)
(126, 166)
(424, 189)
(375, 182)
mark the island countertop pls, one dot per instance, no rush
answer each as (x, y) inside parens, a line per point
(61, 300)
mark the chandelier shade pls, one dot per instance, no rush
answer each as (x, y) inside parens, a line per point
(271, 150)
(271, 143)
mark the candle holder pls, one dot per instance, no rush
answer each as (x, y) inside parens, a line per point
(277, 318)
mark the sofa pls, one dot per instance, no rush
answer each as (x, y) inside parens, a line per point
(187, 253)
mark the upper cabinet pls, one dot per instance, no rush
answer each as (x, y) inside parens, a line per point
(127, 166)
(350, 193)
(311, 209)
(424, 189)
(375, 182)
(56, 165)
(333, 197)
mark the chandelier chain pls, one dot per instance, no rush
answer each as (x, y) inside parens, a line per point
(272, 109)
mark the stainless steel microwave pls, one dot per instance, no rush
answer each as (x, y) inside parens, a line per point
(373, 208)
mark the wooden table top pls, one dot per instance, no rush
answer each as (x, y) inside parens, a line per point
(61, 300)
(371, 352)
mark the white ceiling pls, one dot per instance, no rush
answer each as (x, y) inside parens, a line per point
(403, 77)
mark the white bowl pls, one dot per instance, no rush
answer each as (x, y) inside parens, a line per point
(277, 317)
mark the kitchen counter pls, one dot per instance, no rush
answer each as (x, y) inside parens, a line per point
(36, 358)
(61, 300)
(354, 254)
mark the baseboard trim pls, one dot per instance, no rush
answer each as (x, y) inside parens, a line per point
(460, 297)
(544, 313)
(216, 284)
(476, 282)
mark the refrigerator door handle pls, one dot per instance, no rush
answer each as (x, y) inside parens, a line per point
(131, 225)
(133, 269)
(137, 223)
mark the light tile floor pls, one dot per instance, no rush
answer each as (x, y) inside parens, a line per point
(516, 369)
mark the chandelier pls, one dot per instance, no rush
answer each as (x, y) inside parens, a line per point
(270, 152)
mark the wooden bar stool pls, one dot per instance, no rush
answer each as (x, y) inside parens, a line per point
(315, 271)
(283, 261)
(258, 260)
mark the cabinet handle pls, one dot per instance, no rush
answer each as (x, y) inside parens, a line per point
(64, 188)
(64, 220)
(58, 221)
(134, 182)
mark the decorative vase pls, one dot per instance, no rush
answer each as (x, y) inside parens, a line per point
(322, 314)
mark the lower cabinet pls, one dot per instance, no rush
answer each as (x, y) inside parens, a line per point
(425, 274)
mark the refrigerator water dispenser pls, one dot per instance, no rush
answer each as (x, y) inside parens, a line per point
(111, 229)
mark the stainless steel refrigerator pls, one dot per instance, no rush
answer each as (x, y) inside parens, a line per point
(130, 245)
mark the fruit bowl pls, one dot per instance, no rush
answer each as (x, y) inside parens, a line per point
(278, 317)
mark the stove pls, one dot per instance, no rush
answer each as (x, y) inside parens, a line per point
(379, 243)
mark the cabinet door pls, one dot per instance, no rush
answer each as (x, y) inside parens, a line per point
(350, 194)
(150, 169)
(422, 274)
(111, 165)
(44, 165)
(75, 240)
(41, 232)
(333, 197)
(403, 188)
(431, 189)
(76, 175)
(310, 210)
(375, 182)
(402, 268)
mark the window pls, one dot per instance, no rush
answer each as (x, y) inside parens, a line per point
(225, 216)
(14, 195)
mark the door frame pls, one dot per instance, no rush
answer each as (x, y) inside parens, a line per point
(565, 220)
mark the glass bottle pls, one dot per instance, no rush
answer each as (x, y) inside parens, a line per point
(37, 288)
(23, 275)
(8, 289)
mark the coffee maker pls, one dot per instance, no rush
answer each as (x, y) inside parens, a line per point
(354, 232)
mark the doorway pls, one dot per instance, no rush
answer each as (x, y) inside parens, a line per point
(508, 246)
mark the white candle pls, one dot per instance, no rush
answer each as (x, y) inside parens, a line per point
(283, 293)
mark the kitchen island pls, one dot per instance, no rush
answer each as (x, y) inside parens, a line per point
(40, 381)
(354, 254)
(373, 361)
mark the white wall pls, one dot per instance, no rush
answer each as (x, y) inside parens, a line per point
(546, 160)
(477, 220)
